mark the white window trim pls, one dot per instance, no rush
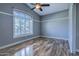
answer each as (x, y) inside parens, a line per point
(23, 35)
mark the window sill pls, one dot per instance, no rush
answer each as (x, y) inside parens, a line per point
(19, 36)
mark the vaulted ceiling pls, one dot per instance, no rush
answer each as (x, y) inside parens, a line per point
(53, 8)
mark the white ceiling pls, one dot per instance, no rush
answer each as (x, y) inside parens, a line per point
(53, 8)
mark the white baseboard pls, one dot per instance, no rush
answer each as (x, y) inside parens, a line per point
(5, 46)
(55, 37)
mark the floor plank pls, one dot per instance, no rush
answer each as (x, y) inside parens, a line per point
(38, 47)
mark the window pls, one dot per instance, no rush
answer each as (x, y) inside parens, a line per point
(23, 24)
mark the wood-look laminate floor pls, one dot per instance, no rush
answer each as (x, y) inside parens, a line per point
(38, 47)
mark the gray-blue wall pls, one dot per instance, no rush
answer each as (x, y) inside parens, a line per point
(77, 26)
(57, 25)
(6, 23)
